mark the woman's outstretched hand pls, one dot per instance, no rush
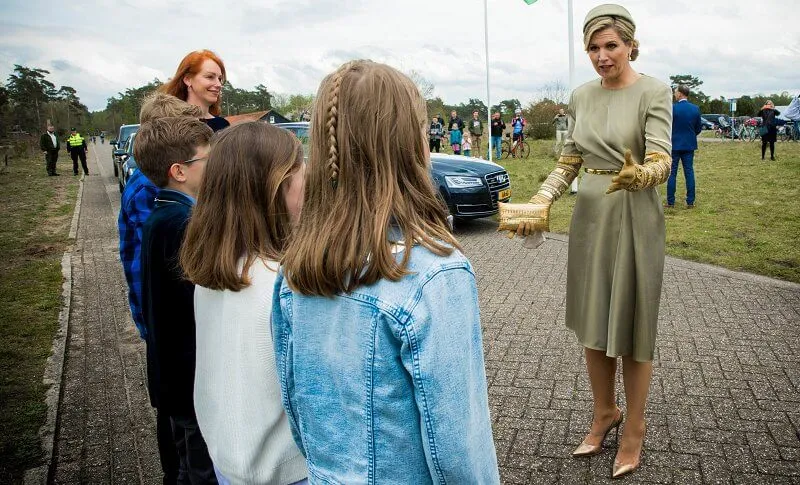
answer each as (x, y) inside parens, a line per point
(626, 176)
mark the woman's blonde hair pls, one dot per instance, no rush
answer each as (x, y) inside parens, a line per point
(623, 27)
(368, 170)
(240, 211)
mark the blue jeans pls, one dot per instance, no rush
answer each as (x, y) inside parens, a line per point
(687, 157)
(494, 141)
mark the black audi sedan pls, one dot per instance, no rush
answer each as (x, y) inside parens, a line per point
(470, 187)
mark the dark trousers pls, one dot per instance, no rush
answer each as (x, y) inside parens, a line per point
(769, 138)
(75, 154)
(170, 463)
(687, 157)
(50, 158)
(195, 463)
(435, 145)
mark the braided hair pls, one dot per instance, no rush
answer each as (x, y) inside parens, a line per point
(331, 124)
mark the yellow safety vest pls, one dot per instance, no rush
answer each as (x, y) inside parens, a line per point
(75, 140)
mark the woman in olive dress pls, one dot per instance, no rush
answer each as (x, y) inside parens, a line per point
(619, 132)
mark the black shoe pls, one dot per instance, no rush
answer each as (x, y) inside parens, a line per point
(772, 159)
(75, 174)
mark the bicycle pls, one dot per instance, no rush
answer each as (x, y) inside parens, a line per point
(786, 132)
(517, 148)
(748, 130)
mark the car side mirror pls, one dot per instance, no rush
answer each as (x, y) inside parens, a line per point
(119, 153)
(113, 143)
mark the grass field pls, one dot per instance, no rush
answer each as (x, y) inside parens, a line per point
(36, 212)
(747, 214)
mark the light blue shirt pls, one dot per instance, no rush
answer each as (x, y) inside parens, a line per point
(387, 384)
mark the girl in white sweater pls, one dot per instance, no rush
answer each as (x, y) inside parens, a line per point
(251, 193)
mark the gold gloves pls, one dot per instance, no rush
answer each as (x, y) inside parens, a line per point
(559, 179)
(654, 171)
(523, 219)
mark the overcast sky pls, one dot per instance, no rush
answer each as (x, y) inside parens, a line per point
(104, 46)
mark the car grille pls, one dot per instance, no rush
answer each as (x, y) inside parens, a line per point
(497, 181)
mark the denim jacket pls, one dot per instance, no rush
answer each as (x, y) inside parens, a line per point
(387, 384)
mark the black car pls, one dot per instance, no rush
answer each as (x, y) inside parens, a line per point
(469, 186)
(124, 163)
(714, 119)
(707, 125)
(119, 144)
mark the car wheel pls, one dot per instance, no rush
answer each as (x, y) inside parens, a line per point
(121, 187)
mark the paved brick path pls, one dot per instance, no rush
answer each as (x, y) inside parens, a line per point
(725, 399)
(106, 426)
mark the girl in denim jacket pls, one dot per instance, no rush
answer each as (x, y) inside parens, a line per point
(375, 319)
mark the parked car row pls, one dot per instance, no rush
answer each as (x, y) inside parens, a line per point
(122, 155)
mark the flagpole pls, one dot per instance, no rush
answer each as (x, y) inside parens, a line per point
(488, 92)
(571, 48)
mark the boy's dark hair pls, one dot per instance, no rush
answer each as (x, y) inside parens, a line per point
(165, 141)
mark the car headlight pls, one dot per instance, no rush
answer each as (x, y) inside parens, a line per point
(457, 182)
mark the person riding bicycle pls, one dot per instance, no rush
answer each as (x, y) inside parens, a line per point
(517, 125)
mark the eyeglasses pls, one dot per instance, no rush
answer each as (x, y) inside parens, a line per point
(187, 162)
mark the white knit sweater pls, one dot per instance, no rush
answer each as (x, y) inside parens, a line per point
(237, 395)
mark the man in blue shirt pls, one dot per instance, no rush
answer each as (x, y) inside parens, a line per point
(686, 126)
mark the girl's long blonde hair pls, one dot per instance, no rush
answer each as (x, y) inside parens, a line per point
(240, 211)
(368, 169)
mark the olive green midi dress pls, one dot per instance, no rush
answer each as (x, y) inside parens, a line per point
(616, 244)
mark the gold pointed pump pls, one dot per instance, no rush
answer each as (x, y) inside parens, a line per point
(585, 449)
(618, 470)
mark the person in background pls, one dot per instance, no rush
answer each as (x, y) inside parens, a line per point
(561, 122)
(476, 132)
(617, 236)
(198, 81)
(435, 133)
(466, 144)
(517, 127)
(136, 205)
(375, 316)
(172, 153)
(496, 139)
(49, 144)
(455, 123)
(456, 138)
(686, 125)
(251, 194)
(77, 148)
(769, 129)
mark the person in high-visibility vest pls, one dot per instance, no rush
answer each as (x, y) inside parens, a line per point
(77, 148)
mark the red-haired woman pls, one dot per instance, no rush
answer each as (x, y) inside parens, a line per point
(198, 81)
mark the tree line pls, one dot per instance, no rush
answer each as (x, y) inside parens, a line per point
(28, 99)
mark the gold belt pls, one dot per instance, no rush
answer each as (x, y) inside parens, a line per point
(595, 171)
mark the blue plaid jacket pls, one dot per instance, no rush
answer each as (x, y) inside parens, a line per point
(138, 200)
